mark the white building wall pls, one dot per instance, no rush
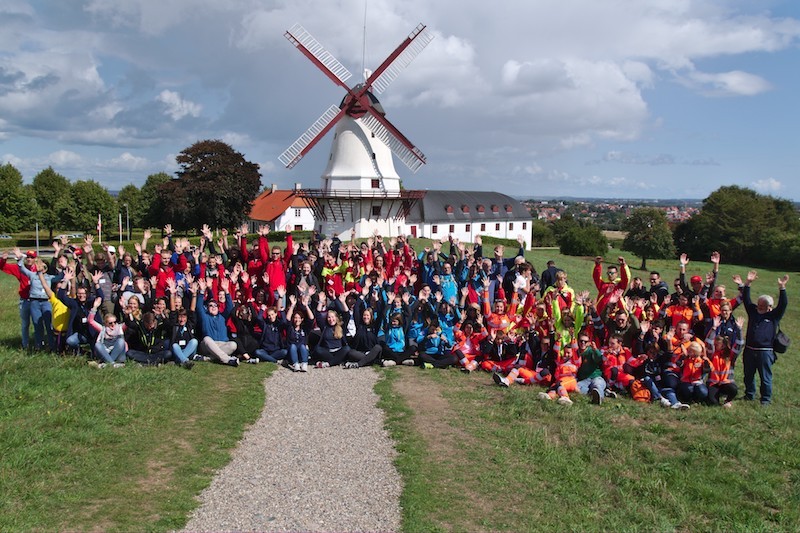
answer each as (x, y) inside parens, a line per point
(295, 216)
(508, 230)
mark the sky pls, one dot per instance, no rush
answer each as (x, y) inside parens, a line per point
(535, 98)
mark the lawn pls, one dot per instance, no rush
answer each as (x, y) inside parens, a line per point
(114, 449)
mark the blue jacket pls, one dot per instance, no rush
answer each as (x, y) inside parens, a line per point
(214, 326)
(762, 327)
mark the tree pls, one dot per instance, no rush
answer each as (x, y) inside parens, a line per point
(52, 196)
(153, 206)
(87, 199)
(17, 205)
(542, 234)
(649, 236)
(583, 239)
(131, 196)
(743, 226)
(215, 186)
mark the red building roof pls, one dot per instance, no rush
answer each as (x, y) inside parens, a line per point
(271, 204)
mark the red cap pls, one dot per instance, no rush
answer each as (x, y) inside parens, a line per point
(696, 279)
(31, 254)
(78, 252)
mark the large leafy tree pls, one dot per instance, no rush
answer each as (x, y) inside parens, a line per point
(649, 236)
(17, 206)
(52, 196)
(153, 205)
(130, 205)
(582, 239)
(744, 227)
(87, 199)
(216, 185)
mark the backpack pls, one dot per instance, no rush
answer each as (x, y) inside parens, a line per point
(639, 392)
(781, 342)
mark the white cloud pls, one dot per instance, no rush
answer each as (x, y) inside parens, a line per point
(767, 186)
(178, 107)
(64, 159)
(129, 162)
(733, 83)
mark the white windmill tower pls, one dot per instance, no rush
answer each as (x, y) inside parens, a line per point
(360, 187)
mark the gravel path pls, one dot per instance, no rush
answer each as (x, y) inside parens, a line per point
(318, 459)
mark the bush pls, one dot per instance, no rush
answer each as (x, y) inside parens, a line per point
(583, 240)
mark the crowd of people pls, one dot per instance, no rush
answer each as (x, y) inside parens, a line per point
(330, 303)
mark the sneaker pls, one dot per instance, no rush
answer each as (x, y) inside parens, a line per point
(188, 364)
(303, 367)
(564, 400)
(544, 396)
(294, 367)
(252, 360)
(727, 405)
(664, 402)
(595, 397)
(610, 393)
(388, 362)
(119, 365)
(521, 381)
(95, 364)
(426, 366)
(680, 406)
(322, 364)
(500, 380)
(233, 362)
(350, 364)
(408, 362)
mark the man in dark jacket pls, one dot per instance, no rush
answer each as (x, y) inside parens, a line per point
(763, 323)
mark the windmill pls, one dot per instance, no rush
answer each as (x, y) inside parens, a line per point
(360, 101)
(361, 189)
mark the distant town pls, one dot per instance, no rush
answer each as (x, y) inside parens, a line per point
(609, 214)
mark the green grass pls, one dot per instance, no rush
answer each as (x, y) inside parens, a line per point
(516, 463)
(113, 449)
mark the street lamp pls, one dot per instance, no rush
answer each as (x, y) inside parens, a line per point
(127, 220)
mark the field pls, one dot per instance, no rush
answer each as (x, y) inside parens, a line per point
(82, 449)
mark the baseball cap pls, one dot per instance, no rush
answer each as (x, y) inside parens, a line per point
(111, 249)
(31, 254)
(696, 279)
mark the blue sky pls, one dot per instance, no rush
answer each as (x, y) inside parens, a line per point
(638, 99)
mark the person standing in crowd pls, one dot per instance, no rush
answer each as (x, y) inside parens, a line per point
(763, 323)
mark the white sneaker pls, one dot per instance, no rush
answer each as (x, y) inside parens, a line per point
(564, 400)
(119, 365)
(544, 396)
(388, 362)
(664, 402)
(295, 367)
(727, 405)
(408, 362)
(323, 364)
(500, 380)
(680, 406)
(303, 367)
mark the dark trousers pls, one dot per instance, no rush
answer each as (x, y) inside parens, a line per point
(729, 390)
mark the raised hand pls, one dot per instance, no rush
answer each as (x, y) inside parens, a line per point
(644, 326)
(740, 321)
(782, 281)
(752, 276)
(684, 259)
(147, 234)
(715, 258)
(97, 276)
(737, 279)
(202, 284)
(225, 284)
(171, 285)
(717, 321)
(168, 229)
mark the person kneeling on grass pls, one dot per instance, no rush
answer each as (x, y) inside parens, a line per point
(110, 344)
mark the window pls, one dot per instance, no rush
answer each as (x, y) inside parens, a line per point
(297, 213)
(298, 227)
(376, 210)
(481, 209)
(497, 227)
(376, 184)
(508, 208)
(510, 225)
(434, 229)
(467, 228)
(483, 227)
(448, 209)
(524, 224)
(465, 208)
(495, 209)
(452, 228)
